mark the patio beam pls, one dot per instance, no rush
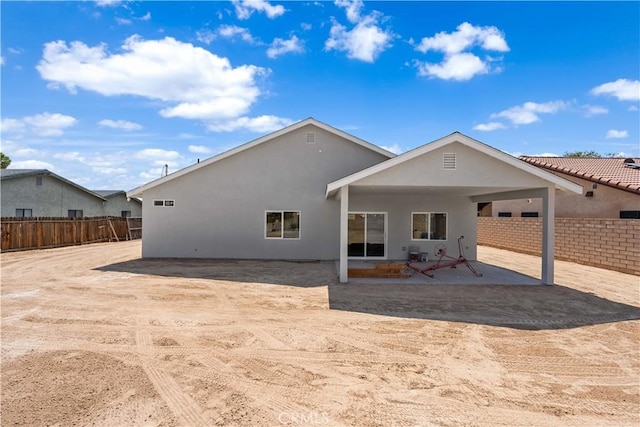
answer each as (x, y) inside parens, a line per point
(548, 235)
(344, 234)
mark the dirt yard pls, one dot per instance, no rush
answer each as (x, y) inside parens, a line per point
(94, 335)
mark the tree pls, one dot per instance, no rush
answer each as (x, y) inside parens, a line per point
(589, 153)
(5, 161)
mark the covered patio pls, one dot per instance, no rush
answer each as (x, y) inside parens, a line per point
(445, 178)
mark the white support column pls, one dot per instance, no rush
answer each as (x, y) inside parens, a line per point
(344, 234)
(548, 235)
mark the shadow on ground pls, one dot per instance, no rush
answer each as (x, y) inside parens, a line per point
(516, 306)
(307, 274)
(520, 307)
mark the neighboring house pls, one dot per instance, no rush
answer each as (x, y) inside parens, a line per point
(119, 204)
(313, 192)
(42, 193)
(611, 189)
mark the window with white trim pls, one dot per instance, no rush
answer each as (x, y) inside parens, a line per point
(282, 225)
(75, 213)
(428, 226)
(169, 203)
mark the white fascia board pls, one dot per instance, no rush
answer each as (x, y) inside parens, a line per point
(138, 191)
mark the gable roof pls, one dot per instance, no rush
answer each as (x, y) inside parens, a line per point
(108, 194)
(137, 192)
(609, 171)
(559, 182)
(21, 173)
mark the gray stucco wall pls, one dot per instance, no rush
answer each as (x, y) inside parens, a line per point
(119, 203)
(461, 221)
(220, 209)
(53, 198)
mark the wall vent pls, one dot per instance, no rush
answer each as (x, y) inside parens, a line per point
(449, 161)
(311, 137)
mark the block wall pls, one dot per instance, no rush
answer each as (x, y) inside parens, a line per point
(613, 244)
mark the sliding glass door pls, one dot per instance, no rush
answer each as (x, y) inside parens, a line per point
(367, 234)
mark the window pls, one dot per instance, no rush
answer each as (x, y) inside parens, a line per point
(24, 213)
(74, 213)
(38, 180)
(429, 226)
(282, 225)
(169, 203)
(629, 214)
(504, 214)
(125, 214)
(529, 214)
(158, 203)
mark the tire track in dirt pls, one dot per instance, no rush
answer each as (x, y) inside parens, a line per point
(186, 410)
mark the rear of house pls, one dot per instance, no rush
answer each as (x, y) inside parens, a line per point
(264, 200)
(310, 191)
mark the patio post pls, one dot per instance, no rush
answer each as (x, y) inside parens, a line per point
(344, 233)
(548, 234)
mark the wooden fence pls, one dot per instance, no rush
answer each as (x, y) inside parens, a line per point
(40, 233)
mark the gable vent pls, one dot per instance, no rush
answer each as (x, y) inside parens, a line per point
(449, 161)
(311, 137)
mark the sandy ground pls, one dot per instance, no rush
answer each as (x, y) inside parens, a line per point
(93, 335)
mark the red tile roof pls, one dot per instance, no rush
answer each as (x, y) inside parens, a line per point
(606, 170)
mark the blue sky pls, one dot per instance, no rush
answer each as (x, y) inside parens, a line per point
(105, 93)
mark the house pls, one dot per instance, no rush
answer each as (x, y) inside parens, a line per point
(611, 189)
(42, 193)
(311, 191)
(119, 204)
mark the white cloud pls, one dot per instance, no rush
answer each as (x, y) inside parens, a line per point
(266, 123)
(31, 164)
(306, 26)
(205, 36)
(196, 83)
(623, 89)
(104, 3)
(617, 134)
(11, 126)
(394, 148)
(245, 8)
(465, 37)
(156, 154)
(458, 64)
(527, 113)
(365, 42)
(45, 124)
(353, 9)
(123, 21)
(71, 156)
(231, 31)
(2, 60)
(109, 171)
(120, 124)
(199, 149)
(281, 46)
(633, 108)
(146, 17)
(487, 127)
(592, 110)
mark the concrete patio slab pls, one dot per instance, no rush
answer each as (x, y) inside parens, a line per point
(460, 275)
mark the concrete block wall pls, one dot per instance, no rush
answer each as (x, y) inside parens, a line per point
(608, 243)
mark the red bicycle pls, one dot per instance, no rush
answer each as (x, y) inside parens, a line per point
(451, 262)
